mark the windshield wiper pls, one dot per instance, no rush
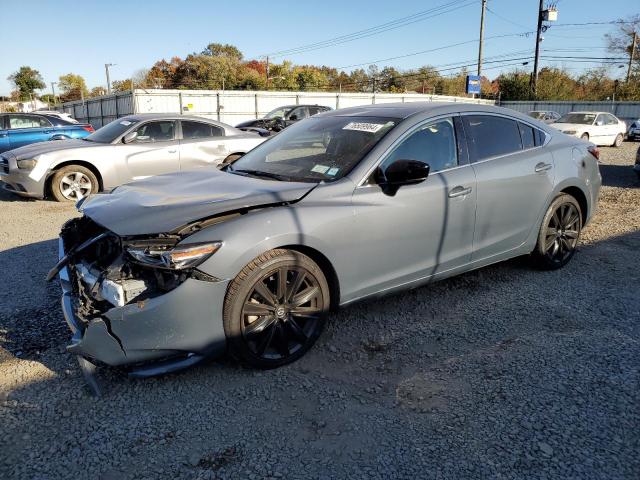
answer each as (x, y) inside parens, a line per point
(260, 173)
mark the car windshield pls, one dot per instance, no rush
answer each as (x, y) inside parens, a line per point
(537, 115)
(110, 131)
(581, 118)
(278, 113)
(314, 150)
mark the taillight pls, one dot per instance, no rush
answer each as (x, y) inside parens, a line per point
(88, 128)
(595, 151)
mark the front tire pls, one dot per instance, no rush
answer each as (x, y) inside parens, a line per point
(73, 182)
(618, 141)
(275, 309)
(559, 233)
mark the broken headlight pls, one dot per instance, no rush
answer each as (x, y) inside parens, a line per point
(179, 257)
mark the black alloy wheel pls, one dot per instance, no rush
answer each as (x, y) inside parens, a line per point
(274, 310)
(560, 233)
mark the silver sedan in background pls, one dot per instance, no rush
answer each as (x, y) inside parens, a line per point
(340, 207)
(129, 148)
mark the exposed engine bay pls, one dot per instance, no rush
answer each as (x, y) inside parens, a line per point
(105, 275)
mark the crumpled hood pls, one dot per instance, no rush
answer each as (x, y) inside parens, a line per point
(30, 151)
(569, 126)
(164, 203)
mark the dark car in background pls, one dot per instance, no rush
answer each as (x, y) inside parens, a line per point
(20, 129)
(281, 117)
(634, 130)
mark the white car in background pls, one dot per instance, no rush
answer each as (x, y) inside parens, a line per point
(600, 128)
(62, 115)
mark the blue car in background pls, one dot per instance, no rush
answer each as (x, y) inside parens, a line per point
(19, 129)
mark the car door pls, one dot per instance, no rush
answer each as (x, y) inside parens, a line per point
(202, 145)
(154, 151)
(514, 175)
(4, 135)
(422, 229)
(600, 131)
(613, 127)
(27, 129)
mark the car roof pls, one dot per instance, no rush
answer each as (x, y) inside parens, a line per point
(406, 110)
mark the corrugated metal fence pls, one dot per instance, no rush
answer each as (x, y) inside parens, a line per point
(622, 110)
(228, 106)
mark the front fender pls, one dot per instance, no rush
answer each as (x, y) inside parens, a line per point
(321, 225)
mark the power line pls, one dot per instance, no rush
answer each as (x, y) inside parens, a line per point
(375, 30)
(444, 47)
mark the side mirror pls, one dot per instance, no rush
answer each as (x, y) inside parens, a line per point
(401, 172)
(130, 137)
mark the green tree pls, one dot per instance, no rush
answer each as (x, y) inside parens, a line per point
(223, 50)
(26, 81)
(555, 84)
(309, 77)
(97, 92)
(514, 86)
(72, 87)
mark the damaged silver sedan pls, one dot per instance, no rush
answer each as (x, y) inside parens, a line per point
(340, 207)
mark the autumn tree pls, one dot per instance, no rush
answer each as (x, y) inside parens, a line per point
(72, 87)
(26, 81)
(223, 50)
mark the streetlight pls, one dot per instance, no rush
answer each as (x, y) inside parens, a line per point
(106, 69)
(53, 91)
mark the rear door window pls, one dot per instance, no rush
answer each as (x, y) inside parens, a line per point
(491, 136)
(196, 130)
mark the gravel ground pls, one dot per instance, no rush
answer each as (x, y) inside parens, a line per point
(503, 373)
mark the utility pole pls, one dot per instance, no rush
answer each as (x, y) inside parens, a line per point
(633, 54)
(484, 8)
(267, 72)
(534, 76)
(106, 69)
(53, 91)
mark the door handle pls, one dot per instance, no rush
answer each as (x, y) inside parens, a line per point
(542, 167)
(172, 151)
(459, 191)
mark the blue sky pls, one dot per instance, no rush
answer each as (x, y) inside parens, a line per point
(58, 37)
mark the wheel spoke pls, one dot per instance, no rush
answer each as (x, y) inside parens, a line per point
(265, 342)
(282, 342)
(297, 331)
(555, 218)
(67, 192)
(258, 309)
(259, 325)
(567, 214)
(550, 242)
(305, 296)
(305, 312)
(571, 233)
(262, 290)
(295, 285)
(573, 220)
(282, 283)
(566, 244)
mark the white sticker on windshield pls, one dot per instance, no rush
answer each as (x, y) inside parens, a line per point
(363, 127)
(332, 171)
(126, 123)
(320, 169)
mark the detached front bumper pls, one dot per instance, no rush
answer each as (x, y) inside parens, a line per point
(184, 321)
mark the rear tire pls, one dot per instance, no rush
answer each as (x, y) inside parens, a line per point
(585, 136)
(274, 310)
(618, 141)
(73, 182)
(559, 233)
